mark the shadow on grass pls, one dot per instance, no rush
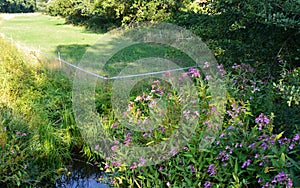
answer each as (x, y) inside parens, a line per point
(72, 53)
(128, 56)
(96, 25)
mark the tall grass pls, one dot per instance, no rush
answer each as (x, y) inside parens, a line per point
(37, 130)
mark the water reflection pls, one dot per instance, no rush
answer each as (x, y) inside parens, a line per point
(82, 175)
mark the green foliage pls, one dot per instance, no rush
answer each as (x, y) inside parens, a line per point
(16, 6)
(257, 31)
(75, 11)
(289, 86)
(254, 32)
(36, 126)
(111, 13)
(259, 139)
(245, 153)
(41, 5)
(286, 92)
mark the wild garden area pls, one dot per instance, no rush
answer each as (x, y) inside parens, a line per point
(232, 120)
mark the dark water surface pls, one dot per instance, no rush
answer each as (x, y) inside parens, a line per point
(82, 175)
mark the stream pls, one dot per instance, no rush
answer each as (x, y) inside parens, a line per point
(81, 175)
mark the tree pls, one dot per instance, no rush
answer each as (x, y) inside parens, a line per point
(17, 6)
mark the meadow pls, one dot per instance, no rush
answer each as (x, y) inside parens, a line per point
(257, 145)
(49, 34)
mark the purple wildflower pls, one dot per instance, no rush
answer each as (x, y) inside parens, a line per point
(206, 65)
(252, 145)
(290, 183)
(211, 170)
(128, 139)
(221, 70)
(142, 161)
(246, 163)
(152, 104)
(113, 148)
(282, 178)
(194, 72)
(184, 75)
(296, 137)
(224, 156)
(160, 91)
(231, 127)
(262, 120)
(155, 82)
(291, 146)
(192, 168)
(160, 169)
(161, 128)
(138, 98)
(222, 134)
(173, 151)
(264, 145)
(259, 180)
(116, 163)
(208, 77)
(166, 74)
(284, 141)
(207, 184)
(106, 166)
(132, 167)
(114, 125)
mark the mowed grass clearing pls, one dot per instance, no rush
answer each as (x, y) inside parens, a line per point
(48, 34)
(51, 35)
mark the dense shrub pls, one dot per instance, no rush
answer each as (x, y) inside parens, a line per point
(286, 92)
(105, 13)
(75, 11)
(16, 6)
(255, 32)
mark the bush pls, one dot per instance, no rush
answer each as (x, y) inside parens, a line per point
(286, 103)
(115, 13)
(244, 32)
(17, 6)
(288, 85)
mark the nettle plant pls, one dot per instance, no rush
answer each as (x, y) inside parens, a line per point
(245, 152)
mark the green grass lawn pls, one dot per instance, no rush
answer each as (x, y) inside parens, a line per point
(48, 34)
(51, 35)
